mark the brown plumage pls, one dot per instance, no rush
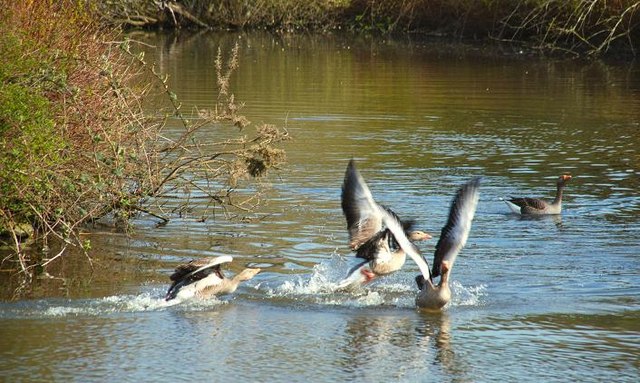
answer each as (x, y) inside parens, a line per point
(369, 232)
(204, 278)
(182, 270)
(452, 239)
(526, 205)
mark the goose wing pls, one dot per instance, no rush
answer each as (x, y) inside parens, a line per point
(527, 202)
(377, 247)
(363, 215)
(195, 266)
(396, 227)
(195, 270)
(456, 231)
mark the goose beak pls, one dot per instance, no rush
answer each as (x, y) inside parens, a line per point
(420, 236)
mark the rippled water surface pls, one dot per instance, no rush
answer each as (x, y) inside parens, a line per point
(554, 298)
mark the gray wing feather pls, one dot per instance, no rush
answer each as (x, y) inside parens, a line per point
(359, 207)
(456, 231)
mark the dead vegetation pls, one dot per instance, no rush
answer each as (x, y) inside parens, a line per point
(581, 28)
(87, 151)
(586, 27)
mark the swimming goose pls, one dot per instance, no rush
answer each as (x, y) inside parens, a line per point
(203, 278)
(537, 206)
(452, 239)
(373, 242)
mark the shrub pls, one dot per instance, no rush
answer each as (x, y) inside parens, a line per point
(76, 145)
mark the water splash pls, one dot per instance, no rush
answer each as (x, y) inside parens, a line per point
(318, 288)
(467, 296)
(398, 290)
(147, 301)
(322, 281)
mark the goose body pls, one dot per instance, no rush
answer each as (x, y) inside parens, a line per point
(371, 234)
(203, 278)
(453, 237)
(536, 206)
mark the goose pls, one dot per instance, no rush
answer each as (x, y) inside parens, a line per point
(203, 278)
(527, 205)
(374, 243)
(452, 239)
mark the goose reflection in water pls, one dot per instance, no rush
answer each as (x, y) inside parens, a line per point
(434, 334)
(555, 218)
(372, 339)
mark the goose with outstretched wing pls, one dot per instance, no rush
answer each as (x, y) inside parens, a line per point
(371, 232)
(452, 239)
(203, 278)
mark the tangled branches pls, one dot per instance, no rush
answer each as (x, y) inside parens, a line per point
(197, 173)
(78, 146)
(590, 27)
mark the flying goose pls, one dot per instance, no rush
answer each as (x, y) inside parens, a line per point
(452, 239)
(527, 205)
(370, 233)
(203, 278)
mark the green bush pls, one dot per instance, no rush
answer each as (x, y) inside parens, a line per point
(76, 146)
(30, 146)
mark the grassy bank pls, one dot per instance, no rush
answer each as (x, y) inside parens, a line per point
(76, 147)
(579, 28)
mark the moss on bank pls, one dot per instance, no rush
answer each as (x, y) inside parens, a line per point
(579, 28)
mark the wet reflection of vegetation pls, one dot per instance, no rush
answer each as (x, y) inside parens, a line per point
(78, 276)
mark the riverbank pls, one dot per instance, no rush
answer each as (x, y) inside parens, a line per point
(78, 147)
(583, 28)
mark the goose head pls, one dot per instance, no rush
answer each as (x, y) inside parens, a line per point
(563, 179)
(247, 274)
(419, 235)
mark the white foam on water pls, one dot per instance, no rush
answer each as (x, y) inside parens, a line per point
(320, 282)
(147, 301)
(318, 288)
(467, 295)
(322, 288)
(63, 311)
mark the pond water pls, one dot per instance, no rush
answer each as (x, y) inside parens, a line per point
(555, 298)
